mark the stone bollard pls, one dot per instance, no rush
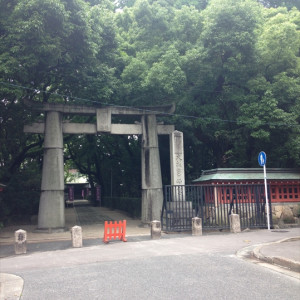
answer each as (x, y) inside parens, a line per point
(76, 235)
(196, 226)
(20, 241)
(235, 223)
(155, 230)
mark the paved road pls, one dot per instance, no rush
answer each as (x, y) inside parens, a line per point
(86, 215)
(189, 276)
(178, 268)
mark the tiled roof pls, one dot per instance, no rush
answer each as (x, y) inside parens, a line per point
(248, 174)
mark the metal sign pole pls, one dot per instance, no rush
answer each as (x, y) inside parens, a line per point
(266, 193)
(262, 160)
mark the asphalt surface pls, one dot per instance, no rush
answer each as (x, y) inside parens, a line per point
(175, 259)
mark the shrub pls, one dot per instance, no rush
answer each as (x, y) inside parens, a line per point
(132, 206)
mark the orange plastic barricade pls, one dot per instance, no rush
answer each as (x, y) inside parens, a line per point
(113, 230)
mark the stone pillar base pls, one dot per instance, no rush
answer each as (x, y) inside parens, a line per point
(51, 210)
(152, 202)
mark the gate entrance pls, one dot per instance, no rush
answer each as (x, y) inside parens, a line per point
(51, 208)
(213, 204)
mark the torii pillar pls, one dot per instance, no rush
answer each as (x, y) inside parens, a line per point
(51, 208)
(152, 192)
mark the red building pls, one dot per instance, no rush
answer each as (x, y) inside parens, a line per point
(284, 184)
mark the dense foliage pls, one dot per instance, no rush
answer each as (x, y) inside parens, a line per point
(231, 66)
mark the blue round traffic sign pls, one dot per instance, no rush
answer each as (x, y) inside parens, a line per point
(262, 158)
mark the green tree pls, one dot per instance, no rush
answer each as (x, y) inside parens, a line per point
(217, 68)
(277, 3)
(271, 109)
(54, 45)
(49, 51)
(231, 67)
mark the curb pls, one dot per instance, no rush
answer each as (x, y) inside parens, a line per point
(11, 286)
(278, 260)
(65, 239)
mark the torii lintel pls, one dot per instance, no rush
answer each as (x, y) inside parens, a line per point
(92, 110)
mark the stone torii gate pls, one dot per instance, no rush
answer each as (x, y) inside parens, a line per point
(51, 207)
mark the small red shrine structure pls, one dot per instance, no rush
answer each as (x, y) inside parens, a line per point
(284, 183)
(2, 186)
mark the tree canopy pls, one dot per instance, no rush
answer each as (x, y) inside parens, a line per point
(230, 66)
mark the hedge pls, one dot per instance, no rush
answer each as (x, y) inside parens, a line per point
(130, 205)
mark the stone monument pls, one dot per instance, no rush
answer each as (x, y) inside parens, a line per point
(20, 241)
(155, 230)
(235, 223)
(177, 158)
(76, 235)
(196, 226)
(179, 210)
